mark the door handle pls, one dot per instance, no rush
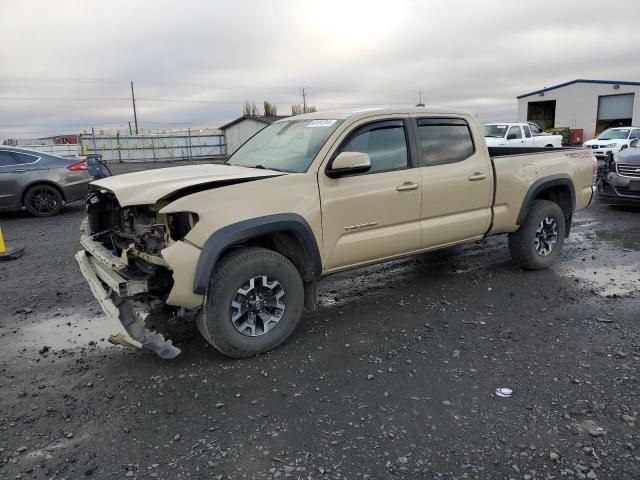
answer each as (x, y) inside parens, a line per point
(18, 171)
(407, 186)
(477, 176)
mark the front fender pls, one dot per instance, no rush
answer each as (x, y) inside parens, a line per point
(236, 233)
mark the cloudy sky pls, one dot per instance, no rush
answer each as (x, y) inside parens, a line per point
(66, 64)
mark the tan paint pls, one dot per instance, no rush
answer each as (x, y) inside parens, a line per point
(447, 207)
(183, 260)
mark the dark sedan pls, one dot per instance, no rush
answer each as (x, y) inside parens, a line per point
(619, 182)
(39, 182)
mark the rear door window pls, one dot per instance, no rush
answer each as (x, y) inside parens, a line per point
(444, 140)
(25, 159)
(6, 159)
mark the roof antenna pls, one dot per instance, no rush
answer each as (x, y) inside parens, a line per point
(420, 104)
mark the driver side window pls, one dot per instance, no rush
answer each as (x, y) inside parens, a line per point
(514, 132)
(384, 142)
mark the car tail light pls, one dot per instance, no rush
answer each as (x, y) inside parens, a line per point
(76, 167)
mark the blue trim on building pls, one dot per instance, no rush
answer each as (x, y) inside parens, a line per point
(579, 80)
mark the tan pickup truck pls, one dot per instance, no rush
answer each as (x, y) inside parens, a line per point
(240, 246)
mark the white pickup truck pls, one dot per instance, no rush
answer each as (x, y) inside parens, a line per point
(517, 135)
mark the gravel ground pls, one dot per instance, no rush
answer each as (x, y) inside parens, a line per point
(394, 376)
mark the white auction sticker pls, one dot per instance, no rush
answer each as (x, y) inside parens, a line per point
(321, 123)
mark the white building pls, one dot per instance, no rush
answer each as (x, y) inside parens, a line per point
(590, 105)
(241, 129)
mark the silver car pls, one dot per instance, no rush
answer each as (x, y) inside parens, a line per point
(39, 182)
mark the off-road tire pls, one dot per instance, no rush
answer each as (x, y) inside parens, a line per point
(522, 243)
(235, 268)
(48, 194)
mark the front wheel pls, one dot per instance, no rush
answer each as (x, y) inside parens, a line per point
(254, 302)
(538, 241)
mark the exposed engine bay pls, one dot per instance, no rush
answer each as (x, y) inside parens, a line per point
(124, 251)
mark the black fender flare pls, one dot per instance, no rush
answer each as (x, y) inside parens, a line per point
(235, 233)
(560, 180)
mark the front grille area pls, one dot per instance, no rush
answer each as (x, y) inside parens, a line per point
(628, 169)
(627, 192)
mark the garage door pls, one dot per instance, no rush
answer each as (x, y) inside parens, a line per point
(612, 107)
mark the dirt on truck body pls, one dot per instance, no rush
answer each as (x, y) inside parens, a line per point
(239, 247)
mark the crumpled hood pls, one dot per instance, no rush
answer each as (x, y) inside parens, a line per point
(149, 186)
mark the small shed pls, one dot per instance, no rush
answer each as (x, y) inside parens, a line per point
(241, 129)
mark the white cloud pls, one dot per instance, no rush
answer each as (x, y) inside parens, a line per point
(469, 54)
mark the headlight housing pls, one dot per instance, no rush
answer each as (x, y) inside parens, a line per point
(180, 224)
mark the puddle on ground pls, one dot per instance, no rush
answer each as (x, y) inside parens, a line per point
(610, 281)
(631, 239)
(67, 331)
(609, 261)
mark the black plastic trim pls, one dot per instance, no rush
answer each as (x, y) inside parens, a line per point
(560, 180)
(236, 233)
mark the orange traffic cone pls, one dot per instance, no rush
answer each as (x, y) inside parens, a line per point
(9, 253)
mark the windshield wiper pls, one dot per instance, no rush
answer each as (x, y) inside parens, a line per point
(262, 167)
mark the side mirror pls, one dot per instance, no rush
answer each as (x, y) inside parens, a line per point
(349, 163)
(511, 136)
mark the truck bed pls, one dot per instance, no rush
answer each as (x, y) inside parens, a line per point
(506, 151)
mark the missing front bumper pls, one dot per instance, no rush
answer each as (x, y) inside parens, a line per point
(130, 314)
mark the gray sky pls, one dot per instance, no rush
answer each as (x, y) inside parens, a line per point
(66, 64)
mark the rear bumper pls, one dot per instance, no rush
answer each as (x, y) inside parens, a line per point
(75, 191)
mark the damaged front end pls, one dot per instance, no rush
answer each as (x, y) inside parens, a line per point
(619, 179)
(130, 259)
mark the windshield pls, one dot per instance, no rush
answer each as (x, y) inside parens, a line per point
(612, 134)
(497, 131)
(289, 146)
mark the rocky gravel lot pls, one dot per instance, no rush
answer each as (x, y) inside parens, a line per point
(394, 376)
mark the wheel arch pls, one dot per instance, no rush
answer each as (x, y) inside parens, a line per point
(286, 233)
(35, 183)
(556, 188)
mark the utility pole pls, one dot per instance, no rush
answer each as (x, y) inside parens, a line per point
(420, 104)
(304, 101)
(135, 116)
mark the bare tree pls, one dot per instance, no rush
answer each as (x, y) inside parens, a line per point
(297, 109)
(246, 108)
(250, 109)
(270, 109)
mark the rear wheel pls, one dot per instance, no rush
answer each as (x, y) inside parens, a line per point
(538, 241)
(43, 201)
(254, 302)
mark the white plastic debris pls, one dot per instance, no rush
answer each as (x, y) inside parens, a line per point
(504, 392)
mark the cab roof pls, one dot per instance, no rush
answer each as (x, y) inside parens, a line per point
(353, 113)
